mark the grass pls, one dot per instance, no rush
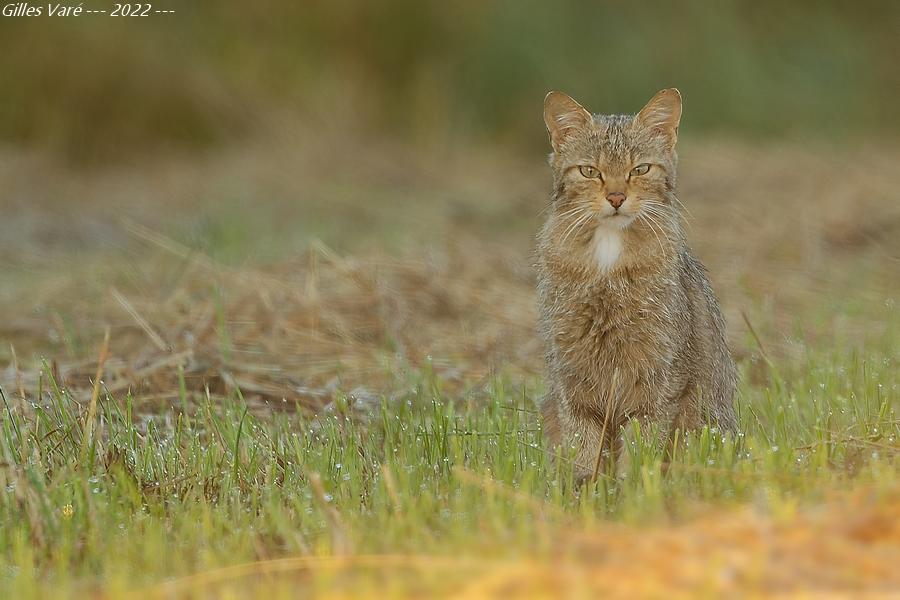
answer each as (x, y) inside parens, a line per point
(148, 499)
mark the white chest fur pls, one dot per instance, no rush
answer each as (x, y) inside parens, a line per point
(607, 247)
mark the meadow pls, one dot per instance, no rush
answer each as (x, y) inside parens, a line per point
(267, 310)
(267, 372)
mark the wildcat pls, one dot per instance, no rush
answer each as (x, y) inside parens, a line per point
(631, 325)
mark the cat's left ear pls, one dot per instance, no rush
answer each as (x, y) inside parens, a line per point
(662, 114)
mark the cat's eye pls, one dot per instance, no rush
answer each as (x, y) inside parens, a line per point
(589, 171)
(641, 169)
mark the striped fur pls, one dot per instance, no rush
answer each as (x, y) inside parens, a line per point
(631, 324)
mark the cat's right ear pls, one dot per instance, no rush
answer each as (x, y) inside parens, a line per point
(562, 116)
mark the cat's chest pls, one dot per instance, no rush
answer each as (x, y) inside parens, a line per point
(615, 318)
(606, 248)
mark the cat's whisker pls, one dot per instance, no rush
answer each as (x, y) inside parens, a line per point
(656, 218)
(572, 211)
(581, 220)
(681, 215)
(683, 207)
(663, 211)
(650, 202)
(644, 218)
(570, 227)
(648, 205)
(658, 221)
(656, 211)
(576, 212)
(672, 210)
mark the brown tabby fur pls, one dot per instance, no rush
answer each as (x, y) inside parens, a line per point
(638, 334)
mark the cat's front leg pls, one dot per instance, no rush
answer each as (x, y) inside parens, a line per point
(589, 436)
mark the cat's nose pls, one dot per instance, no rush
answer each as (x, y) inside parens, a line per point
(616, 198)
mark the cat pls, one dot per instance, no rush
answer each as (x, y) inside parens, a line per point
(631, 326)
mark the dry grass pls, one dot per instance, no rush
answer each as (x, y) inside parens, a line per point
(806, 244)
(749, 553)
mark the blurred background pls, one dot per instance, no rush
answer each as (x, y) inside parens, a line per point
(94, 90)
(252, 132)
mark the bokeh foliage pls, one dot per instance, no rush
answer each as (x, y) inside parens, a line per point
(98, 86)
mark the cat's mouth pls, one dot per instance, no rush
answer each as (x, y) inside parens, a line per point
(617, 219)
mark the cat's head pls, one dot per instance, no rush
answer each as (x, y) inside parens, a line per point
(613, 173)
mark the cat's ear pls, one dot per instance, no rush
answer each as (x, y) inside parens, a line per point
(662, 113)
(562, 116)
